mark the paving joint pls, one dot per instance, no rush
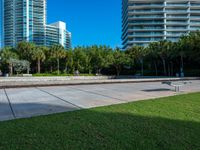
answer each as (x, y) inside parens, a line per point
(94, 93)
(10, 105)
(59, 98)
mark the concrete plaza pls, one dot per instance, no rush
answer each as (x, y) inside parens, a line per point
(35, 101)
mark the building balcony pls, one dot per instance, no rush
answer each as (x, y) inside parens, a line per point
(195, 11)
(145, 7)
(146, 4)
(177, 23)
(145, 12)
(150, 29)
(145, 35)
(175, 35)
(177, 29)
(146, 18)
(176, 5)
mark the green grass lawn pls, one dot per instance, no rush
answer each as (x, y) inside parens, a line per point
(167, 124)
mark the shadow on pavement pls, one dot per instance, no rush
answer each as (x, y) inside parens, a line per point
(26, 110)
(157, 90)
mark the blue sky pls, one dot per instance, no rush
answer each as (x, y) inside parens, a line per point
(90, 21)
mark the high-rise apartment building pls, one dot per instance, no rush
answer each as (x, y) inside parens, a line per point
(25, 20)
(57, 33)
(1, 23)
(145, 21)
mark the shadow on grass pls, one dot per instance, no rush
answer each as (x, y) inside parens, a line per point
(99, 129)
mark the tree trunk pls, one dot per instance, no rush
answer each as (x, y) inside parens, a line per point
(38, 63)
(118, 69)
(28, 70)
(10, 69)
(164, 67)
(169, 70)
(51, 68)
(89, 71)
(99, 71)
(172, 69)
(58, 66)
(142, 67)
(118, 72)
(156, 68)
(182, 63)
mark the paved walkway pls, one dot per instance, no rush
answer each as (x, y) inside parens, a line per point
(35, 101)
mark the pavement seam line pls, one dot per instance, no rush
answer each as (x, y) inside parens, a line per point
(59, 98)
(121, 100)
(10, 105)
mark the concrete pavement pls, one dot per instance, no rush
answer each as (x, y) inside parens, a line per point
(35, 101)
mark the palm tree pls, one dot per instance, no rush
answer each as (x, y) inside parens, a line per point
(57, 52)
(25, 50)
(153, 54)
(70, 61)
(182, 47)
(163, 48)
(138, 53)
(39, 56)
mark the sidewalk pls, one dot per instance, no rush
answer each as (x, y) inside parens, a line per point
(35, 101)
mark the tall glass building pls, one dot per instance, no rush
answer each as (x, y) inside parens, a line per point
(25, 20)
(1, 24)
(145, 21)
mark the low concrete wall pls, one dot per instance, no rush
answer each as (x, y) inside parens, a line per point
(67, 78)
(78, 80)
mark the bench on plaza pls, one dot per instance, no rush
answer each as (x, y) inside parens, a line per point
(176, 84)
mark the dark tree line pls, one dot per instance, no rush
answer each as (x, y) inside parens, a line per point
(164, 58)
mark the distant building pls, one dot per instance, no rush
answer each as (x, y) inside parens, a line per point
(25, 20)
(145, 21)
(57, 33)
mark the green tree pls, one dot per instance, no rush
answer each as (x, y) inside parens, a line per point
(153, 55)
(163, 48)
(38, 55)
(70, 61)
(119, 59)
(138, 53)
(7, 54)
(100, 57)
(193, 43)
(25, 50)
(89, 66)
(79, 58)
(181, 48)
(57, 52)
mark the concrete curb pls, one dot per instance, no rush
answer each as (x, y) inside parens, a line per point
(49, 81)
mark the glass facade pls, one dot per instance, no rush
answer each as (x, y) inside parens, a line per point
(145, 21)
(25, 20)
(1, 24)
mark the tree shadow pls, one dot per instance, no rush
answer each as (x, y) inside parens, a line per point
(28, 110)
(99, 129)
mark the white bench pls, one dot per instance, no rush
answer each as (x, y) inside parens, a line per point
(176, 84)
